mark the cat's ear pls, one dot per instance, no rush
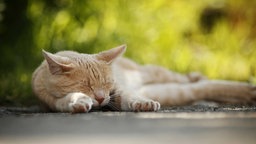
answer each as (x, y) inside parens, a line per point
(110, 55)
(58, 64)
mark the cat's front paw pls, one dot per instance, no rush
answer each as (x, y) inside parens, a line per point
(80, 103)
(144, 105)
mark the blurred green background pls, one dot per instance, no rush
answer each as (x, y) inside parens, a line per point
(215, 37)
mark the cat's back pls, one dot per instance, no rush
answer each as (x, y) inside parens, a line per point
(125, 63)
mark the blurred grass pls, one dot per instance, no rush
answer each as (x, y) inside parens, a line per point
(215, 37)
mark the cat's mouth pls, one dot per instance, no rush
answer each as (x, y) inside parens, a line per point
(113, 104)
(100, 103)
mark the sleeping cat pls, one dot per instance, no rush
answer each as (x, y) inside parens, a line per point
(73, 82)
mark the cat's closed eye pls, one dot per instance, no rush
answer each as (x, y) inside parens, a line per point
(108, 85)
(89, 87)
(85, 85)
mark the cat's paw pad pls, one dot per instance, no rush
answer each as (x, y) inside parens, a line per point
(144, 105)
(80, 104)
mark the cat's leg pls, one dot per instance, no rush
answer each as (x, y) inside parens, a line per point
(139, 103)
(156, 74)
(170, 94)
(227, 91)
(130, 101)
(183, 94)
(74, 102)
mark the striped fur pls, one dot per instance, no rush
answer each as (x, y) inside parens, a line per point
(73, 82)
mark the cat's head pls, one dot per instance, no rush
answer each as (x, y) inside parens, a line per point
(90, 74)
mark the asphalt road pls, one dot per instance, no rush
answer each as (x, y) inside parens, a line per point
(186, 125)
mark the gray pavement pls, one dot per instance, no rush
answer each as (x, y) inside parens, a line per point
(177, 125)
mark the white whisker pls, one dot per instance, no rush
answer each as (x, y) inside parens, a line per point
(113, 106)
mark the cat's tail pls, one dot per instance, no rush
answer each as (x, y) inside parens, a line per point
(212, 90)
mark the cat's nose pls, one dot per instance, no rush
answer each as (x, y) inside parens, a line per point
(99, 99)
(99, 96)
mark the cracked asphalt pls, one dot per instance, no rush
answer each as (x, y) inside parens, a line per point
(197, 124)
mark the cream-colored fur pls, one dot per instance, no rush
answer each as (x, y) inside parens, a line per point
(72, 82)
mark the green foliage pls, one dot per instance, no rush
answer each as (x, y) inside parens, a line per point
(214, 37)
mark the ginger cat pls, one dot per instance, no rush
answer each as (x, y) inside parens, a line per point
(73, 82)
